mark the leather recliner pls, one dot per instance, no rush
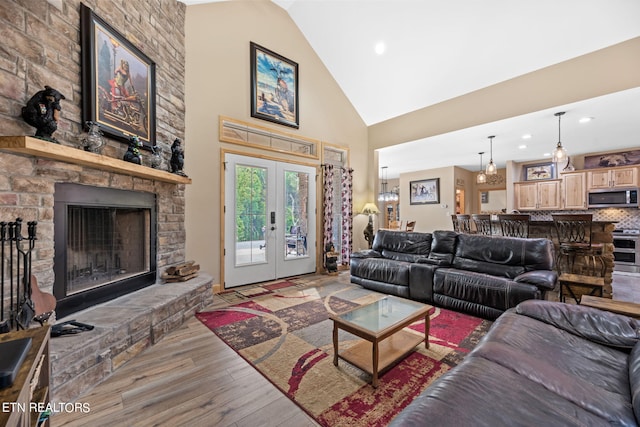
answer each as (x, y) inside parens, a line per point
(477, 274)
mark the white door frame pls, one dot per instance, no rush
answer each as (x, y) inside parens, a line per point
(273, 261)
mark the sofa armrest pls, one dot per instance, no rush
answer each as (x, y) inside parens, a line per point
(421, 281)
(541, 278)
(602, 327)
(368, 253)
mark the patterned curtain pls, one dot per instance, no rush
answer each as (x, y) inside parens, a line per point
(327, 202)
(347, 215)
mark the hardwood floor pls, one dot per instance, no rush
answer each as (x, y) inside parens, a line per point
(192, 378)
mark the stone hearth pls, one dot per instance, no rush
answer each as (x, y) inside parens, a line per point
(123, 328)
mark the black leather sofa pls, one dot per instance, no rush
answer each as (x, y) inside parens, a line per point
(477, 274)
(541, 364)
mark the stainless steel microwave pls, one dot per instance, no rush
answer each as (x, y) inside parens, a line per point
(613, 198)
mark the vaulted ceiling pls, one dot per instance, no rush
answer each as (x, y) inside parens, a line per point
(437, 50)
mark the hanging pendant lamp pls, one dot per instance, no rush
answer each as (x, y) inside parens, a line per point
(481, 178)
(559, 154)
(491, 167)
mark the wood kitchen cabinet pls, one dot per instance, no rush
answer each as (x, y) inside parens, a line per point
(613, 177)
(537, 195)
(574, 190)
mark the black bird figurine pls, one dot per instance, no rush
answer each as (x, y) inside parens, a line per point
(133, 152)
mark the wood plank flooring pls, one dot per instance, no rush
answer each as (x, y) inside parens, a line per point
(192, 378)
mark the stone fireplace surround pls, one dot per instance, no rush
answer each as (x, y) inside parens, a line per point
(29, 170)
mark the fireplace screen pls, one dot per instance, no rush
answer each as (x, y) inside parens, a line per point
(104, 245)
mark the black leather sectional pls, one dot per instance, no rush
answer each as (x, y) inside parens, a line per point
(542, 364)
(477, 274)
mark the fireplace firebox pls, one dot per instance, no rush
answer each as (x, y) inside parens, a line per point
(105, 244)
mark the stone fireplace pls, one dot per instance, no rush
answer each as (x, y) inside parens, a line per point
(117, 226)
(105, 240)
(42, 180)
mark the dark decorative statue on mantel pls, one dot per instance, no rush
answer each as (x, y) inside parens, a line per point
(43, 111)
(177, 158)
(133, 152)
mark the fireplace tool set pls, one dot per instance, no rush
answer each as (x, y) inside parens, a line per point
(26, 302)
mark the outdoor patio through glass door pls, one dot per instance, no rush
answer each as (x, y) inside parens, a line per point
(269, 219)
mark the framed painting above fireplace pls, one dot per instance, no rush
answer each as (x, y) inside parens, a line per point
(118, 82)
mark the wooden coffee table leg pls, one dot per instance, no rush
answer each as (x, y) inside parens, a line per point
(374, 381)
(427, 325)
(335, 344)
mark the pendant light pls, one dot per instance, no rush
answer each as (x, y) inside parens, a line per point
(559, 154)
(491, 167)
(481, 178)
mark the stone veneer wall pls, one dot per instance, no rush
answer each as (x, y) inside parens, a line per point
(41, 46)
(30, 195)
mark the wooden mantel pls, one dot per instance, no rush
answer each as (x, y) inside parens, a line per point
(41, 148)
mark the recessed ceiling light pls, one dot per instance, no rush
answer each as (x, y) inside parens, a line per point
(526, 136)
(546, 154)
(585, 119)
(522, 147)
(380, 48)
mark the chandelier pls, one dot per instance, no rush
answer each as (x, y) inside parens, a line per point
(385, 195)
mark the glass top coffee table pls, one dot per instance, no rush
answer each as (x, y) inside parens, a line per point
(380, 325)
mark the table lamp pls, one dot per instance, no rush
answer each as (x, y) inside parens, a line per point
(369, 209)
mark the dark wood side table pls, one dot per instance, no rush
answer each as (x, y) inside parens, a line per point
(621, 307)
(578, 285)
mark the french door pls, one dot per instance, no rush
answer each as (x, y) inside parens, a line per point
(269, 220)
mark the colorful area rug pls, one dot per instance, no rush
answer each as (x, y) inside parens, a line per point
(284, 331)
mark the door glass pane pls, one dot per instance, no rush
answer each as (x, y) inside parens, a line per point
(251, 214)
(296, 208)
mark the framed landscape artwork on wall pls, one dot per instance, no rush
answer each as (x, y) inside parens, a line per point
(539, 171)
(118, 82)
(424, 192)
(623, 158)
(274, 87)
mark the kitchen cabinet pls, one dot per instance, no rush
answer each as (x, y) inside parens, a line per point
(613, 177)
(537, 195)
(574, 190)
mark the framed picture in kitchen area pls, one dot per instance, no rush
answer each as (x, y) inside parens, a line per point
(274, 87)
(118, 82)
(539, 171)
(424, 191)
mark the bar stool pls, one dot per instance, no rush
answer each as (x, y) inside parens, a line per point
(482, 223)
(574, 240)
(410, 225)
(464, 223)
(514, 225)
(454, 220)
